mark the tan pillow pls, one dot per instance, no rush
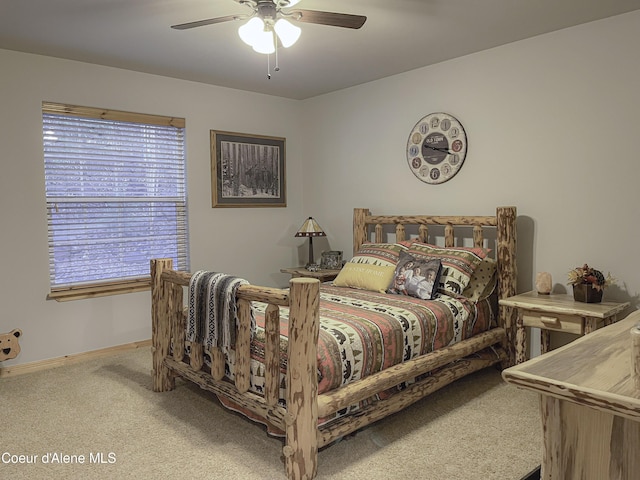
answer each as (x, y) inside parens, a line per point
(380, 253)
(364, 276)
(483, 281)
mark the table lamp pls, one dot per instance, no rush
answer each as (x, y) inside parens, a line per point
(310, 228)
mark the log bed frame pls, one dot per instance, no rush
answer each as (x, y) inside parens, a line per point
(299, 419)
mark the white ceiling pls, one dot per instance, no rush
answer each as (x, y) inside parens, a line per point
(399, 35)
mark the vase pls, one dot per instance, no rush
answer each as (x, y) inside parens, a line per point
(587, 294)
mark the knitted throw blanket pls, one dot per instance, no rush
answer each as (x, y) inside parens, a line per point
(213, 309)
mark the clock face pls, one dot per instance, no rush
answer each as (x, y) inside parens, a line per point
(436, 148)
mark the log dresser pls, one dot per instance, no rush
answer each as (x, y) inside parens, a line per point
(589, 404)
(560, 313)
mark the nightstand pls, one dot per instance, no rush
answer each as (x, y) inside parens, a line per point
(324, 275)
(557, 313)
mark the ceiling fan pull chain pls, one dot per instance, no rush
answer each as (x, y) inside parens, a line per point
(277, 67)
(268, 66)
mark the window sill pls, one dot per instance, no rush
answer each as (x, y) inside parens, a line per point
(99, 290)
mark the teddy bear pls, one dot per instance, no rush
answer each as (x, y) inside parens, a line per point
(9, 346)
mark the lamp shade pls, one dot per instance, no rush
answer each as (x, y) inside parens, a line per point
(253, 33)
(310, 228)
(264, 43)
(287, 32)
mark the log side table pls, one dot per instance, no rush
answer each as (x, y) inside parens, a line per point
(559, 313)
(324, 275)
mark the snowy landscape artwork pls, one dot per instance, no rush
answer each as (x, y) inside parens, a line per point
(247, 170)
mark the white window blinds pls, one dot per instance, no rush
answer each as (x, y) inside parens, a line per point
(116, 196)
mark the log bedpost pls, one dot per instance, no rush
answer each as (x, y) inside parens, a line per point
(359, 228)
(506, 256)
(301, 449)
(161, 318)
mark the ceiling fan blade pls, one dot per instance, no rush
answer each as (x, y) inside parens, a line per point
(345, 20)
(210, 21)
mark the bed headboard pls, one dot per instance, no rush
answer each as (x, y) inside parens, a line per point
(501, 226)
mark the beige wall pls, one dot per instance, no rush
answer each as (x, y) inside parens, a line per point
(228, 240)
(552, 123)
(553, 119)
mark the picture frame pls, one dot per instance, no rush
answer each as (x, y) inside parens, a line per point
(331, 260)
(247, 170)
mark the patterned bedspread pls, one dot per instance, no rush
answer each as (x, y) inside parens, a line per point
(363, 332)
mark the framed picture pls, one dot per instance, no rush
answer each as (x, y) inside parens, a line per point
(247, 170)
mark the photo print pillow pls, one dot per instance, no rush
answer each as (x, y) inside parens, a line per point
(416, 277)
(458, 264)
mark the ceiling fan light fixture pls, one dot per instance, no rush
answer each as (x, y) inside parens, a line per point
(251, 32)
(257, 35)
(288, 33)
(264, 43)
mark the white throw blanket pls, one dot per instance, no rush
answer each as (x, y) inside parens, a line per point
(213, 309)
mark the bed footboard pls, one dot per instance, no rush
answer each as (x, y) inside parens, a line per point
(300, 419)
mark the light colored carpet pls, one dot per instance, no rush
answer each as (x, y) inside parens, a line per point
(478, 427)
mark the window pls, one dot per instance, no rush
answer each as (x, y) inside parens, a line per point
(116, 197)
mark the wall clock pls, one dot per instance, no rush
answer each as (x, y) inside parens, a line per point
(436, 148)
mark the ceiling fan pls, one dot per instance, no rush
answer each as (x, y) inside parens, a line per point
(268, 25)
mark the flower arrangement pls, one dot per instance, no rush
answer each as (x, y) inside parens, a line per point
(587, 275)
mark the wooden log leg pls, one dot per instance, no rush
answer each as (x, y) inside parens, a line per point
(553, 463)
(590, 324)
(521, 339)
(635, 356)
(301, 449)
(584, 443)
(161, 318)
(610, 320)
(545, 340)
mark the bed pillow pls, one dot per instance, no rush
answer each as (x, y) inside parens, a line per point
(385, 254)
(364, 276)
(483, 281)
(416, 278)
(458, 264)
